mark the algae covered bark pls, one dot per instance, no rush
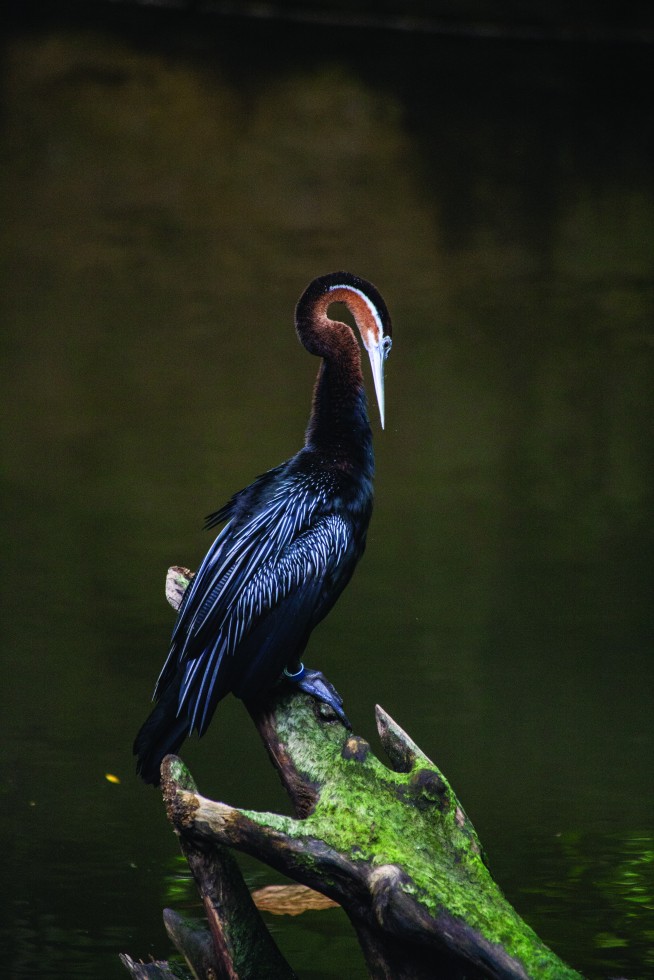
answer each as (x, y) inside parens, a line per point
(391, 844)
(393, 847)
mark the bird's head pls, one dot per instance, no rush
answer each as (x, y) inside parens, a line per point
(370, 314)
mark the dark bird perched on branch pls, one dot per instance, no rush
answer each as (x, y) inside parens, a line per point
(290, 543)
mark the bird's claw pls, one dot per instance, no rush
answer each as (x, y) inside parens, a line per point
(315, 683)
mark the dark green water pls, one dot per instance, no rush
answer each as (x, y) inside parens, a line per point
(166, 194)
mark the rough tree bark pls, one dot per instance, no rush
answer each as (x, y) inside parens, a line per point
(392, 845)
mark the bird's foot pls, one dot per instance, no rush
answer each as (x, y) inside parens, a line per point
(315, 683)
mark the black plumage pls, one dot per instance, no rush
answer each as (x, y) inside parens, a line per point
(290, 540)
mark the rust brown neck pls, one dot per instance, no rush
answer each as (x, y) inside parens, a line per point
(338, 413)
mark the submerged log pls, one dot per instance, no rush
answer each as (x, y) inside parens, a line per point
(391, 844)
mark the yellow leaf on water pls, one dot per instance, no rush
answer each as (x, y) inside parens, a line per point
(109, 776)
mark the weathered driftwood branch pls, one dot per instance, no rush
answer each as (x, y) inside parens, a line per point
(241, 942)
(393, 846)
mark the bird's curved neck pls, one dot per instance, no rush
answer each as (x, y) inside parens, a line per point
(338, 423)
(339, 417)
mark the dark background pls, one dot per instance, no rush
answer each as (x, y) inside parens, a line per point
(170, 182)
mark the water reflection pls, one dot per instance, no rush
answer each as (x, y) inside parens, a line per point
(166, 198)
(605, 881)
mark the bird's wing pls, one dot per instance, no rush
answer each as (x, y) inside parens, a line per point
(249, 541)
(246, 643)
(227, 510)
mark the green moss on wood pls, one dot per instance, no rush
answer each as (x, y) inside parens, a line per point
(373, 816)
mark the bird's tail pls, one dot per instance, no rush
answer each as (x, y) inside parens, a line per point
(161, 734)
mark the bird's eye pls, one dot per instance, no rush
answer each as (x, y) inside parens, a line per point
(386, 345)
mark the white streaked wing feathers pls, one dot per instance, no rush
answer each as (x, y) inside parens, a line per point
(233, 560)
(313, 554)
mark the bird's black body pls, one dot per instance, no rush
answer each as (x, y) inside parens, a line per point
(288, 548)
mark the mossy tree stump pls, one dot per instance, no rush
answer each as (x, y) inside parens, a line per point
(391, 844)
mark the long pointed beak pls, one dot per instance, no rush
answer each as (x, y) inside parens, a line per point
(378, 352)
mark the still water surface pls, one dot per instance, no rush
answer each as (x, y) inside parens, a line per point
(167, 193)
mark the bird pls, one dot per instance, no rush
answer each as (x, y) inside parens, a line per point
(289, 543)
